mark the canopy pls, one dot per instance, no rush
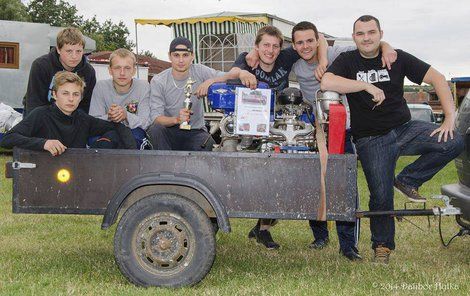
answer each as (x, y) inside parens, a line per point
(218, 19)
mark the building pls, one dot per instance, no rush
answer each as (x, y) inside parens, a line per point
(20, 44)
(147, 66)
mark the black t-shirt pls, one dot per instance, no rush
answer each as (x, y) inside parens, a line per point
(393, 111)
(278, 78)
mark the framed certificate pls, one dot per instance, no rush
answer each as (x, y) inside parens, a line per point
(252, 109)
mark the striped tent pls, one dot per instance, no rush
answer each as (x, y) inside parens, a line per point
(196, 28)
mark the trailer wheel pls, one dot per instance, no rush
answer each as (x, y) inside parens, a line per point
(164, 240)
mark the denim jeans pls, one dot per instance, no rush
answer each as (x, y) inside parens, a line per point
(173, 138)
(345, 230)
(378, 156)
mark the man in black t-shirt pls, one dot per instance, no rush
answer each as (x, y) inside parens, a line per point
(381, 126)
(274, 65)
(274, 69)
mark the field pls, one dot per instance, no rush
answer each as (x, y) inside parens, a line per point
(71, 255)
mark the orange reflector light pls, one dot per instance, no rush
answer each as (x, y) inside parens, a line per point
(63, 175)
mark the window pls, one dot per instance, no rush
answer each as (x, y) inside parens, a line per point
(219, 51)
(9, 55)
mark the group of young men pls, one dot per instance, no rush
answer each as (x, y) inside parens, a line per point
(65, 107)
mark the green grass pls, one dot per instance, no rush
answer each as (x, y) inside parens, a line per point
(71, 255)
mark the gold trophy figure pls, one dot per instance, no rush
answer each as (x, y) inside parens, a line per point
(188, 90)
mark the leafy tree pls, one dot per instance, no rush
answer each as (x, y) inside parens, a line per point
(147, 53)
(108, 35)
(116, 35)
(13, 10)
(55, 13)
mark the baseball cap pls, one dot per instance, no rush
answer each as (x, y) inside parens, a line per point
(181, 41)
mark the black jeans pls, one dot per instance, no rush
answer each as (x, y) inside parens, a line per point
(173, 138)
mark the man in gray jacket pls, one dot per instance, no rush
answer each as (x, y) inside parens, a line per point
(123, 98)
(167, 93)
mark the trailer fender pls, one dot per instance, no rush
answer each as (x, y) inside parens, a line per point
(191, 181)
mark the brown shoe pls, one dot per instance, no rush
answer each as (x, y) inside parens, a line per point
(382, 254)
(408, 191)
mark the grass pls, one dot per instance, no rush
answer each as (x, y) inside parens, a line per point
(71, 255)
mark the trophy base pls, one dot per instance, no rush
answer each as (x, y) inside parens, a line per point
(185, 126)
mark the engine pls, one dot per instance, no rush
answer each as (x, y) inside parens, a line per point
(291, 127)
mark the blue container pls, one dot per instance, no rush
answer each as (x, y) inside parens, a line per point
(221, 96)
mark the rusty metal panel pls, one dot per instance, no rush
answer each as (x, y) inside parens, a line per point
(250, 185)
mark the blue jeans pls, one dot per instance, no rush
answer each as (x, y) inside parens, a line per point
(344, 229)
(378, 156)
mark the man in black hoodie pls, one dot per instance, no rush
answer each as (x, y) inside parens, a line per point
(68, 56)
(61, 125)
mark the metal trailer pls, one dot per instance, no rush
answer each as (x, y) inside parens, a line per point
(171, 203)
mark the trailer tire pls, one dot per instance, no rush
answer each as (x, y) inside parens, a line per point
(164, 240)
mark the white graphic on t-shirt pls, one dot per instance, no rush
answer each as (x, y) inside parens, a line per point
(372, 76)
(361, 76)
(383, 75)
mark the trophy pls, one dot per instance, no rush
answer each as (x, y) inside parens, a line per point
(188, 89)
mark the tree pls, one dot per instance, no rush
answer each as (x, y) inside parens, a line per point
(13, 10)
(147, 53)
(108, 35)
(55, 13)
(116, 35)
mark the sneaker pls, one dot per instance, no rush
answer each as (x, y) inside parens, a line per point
(319, 244)
(408, 191)
(352, 254)
(264, 237)
(382, 254)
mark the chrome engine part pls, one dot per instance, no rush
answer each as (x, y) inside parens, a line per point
(291, 131)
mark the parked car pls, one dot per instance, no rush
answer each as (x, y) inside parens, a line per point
(422, 112)
(460, 192)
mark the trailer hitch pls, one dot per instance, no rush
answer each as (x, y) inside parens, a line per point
(448, 210)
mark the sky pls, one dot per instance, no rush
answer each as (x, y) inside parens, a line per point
(436, 31)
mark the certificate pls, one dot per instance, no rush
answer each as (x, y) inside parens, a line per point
(252, 109)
